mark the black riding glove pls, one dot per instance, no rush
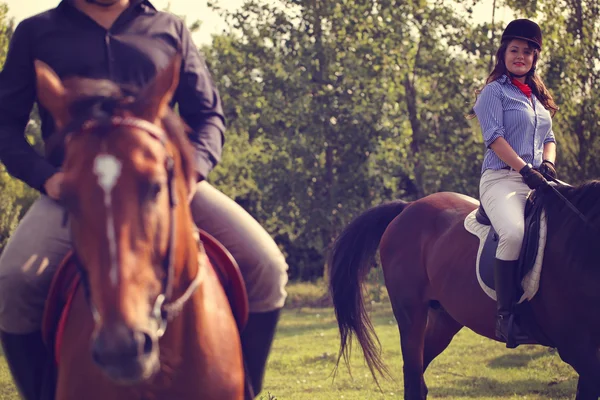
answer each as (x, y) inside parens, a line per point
(548, 168)
(533, 178)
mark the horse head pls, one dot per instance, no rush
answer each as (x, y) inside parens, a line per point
(128, 173)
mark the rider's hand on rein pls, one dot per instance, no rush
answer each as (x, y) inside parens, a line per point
(532, 178)
(548, 169)
(53, 184)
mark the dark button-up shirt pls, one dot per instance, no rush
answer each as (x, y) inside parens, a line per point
(140, 43)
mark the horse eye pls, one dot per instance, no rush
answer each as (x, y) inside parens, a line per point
(151, 190)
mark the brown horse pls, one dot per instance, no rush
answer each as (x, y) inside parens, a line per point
(150, 318)
(429, 261)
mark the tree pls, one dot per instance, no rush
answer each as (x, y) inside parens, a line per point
(572, 72)
(15, 196)
(340, 105)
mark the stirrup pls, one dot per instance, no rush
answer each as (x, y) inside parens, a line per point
(515, 335)
(502, 327)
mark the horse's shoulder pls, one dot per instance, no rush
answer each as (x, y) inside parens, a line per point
(442, 209)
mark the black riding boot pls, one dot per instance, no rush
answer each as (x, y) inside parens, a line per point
(257, 338)
(506, 289)
(28, 360)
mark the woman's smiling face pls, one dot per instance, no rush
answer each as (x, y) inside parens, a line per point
(519, 57)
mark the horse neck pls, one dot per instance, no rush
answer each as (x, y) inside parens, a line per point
(203, 337)
(181, 340)
(577, 283)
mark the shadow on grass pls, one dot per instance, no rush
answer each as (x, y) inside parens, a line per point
(324, 359)
(516, 359)
(486, 387)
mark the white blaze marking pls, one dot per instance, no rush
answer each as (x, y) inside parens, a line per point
(108, 169)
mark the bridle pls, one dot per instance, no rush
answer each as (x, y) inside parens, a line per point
(164, 309)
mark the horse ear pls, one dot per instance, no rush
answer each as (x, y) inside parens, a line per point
(153, 101)
(51, 93)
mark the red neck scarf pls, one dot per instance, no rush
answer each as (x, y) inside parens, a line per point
(524, 87)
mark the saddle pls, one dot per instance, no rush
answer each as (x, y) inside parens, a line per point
(530, 261)
(66, 281)
(529, 249)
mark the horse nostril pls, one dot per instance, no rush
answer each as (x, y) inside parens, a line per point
(101, 353)
(119, 345)
(145, 343)
(96, 353)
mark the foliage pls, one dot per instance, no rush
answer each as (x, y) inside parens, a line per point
(572, 72)
(335, 106)
(15, 196)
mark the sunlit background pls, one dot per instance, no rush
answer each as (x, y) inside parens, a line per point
(212, 23)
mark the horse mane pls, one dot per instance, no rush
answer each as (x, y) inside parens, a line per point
(99, 99)
(579, 240)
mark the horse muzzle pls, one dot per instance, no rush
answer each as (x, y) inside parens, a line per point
(125, 355)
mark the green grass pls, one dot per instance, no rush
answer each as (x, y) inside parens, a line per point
(306, 347)
(474, 368)
(7, 389)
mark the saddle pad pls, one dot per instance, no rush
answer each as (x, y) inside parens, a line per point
(531, 281)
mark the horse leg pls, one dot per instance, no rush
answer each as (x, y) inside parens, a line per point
(586, 361)
(412, 321)
(441, 328)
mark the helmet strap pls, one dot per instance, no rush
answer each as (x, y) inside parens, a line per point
(532, 70)
(517, 76)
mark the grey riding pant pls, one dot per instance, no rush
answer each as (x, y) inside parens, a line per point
(40, 243)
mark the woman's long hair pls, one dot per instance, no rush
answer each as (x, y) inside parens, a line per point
(532, 79)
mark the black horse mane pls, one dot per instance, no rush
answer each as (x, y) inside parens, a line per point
(580, 240)
(99, 100)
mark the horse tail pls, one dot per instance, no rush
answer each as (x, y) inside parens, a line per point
(352, 256)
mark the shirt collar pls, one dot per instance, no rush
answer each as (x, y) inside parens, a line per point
(145, 2)
(504, 79)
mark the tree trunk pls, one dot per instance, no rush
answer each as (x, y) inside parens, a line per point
(418, 138)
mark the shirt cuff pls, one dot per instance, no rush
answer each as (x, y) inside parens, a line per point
(491, 138)
(203, 165)
(43, 172)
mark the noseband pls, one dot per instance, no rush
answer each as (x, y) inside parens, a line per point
(164, 310)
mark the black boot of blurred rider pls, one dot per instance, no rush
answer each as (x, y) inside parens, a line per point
(257, 338)
(30, 365)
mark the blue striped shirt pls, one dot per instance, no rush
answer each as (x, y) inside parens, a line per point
(504, 111)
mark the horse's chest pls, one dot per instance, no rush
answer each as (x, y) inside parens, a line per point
(193, 386)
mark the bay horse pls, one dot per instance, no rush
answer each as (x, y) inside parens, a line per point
(429, 261)
(150, 319)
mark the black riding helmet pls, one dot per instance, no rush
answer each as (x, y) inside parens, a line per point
(524, 29)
